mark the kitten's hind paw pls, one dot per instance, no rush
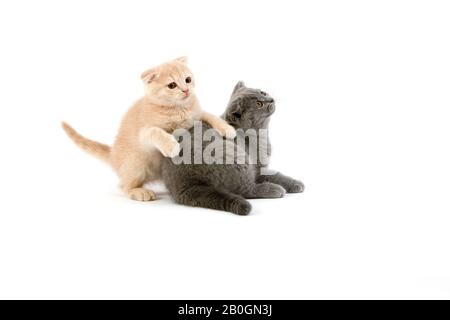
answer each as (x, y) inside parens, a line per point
(240, 207)
(141, 194)
(296, 187)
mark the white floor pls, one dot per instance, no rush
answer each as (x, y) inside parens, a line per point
(80, 238)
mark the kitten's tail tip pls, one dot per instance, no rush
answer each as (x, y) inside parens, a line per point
(97, 149)
(65, 126)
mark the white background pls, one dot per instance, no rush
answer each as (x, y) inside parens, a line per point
(362, 90)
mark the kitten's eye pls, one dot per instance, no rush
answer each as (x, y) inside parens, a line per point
(172, 85)
(188, 80)
(259, 104)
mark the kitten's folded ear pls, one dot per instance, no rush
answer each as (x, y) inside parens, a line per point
(234, 112)
(183, 60)
(238, 85)
(149, 75)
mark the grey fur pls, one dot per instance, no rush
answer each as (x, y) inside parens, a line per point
(226, 186)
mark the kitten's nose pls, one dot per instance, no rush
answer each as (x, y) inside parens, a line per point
(186, 92)
(271, 107)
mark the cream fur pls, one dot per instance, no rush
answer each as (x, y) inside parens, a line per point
(145, 133)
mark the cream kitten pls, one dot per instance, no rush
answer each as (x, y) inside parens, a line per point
(144, 135)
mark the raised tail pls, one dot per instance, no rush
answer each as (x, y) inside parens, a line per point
(97, 149)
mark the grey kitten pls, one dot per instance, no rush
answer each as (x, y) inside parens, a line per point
(226, 186)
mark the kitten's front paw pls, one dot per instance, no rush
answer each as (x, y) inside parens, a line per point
(230, 132)
(269, 190)
(175, 151)
(296, 187)
(141, 194)
(171, 148)
(227, 131)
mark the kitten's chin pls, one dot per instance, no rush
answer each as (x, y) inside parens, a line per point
(185, 100)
